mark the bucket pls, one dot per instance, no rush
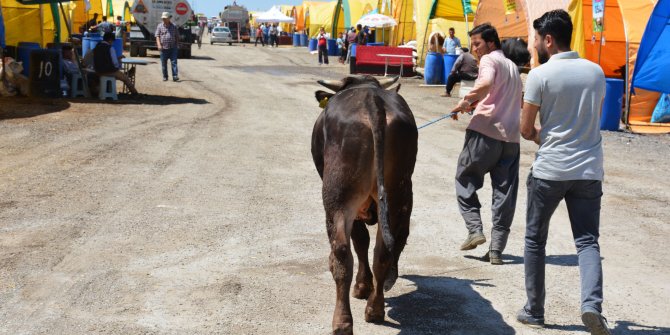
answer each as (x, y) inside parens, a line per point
(449, 61)
(612, 104)
(89, 43)
(303, 40)
(118, 47)
(23, 55)
(434, 69)
(296, 40)
(332, 47)
(312, 44)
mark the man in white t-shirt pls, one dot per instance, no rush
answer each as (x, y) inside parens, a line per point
(567, 92)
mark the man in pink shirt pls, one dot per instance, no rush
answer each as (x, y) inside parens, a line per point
(491, 143)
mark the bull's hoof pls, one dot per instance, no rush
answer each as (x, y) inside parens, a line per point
(374, 315)
(362, 290)
(344, 329)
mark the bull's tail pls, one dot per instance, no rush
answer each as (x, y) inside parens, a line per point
(377, 116)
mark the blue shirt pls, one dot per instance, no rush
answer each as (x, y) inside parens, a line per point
(451, 44)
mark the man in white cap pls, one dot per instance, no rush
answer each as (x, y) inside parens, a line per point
(167, 40)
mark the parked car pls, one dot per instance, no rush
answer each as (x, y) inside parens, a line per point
(221, 35)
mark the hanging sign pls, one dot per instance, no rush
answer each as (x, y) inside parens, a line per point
(510, 6)
(598, 15)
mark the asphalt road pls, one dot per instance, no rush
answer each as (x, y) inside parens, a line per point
(197, 210)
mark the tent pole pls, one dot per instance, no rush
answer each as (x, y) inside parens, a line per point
(627, 88)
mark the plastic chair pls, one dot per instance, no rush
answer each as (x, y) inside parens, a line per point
(77, 86)
(107, 88)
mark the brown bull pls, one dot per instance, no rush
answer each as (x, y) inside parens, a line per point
(364, 146)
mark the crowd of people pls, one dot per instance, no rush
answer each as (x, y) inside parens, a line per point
(268, 34)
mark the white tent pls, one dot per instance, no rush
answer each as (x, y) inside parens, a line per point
(274, 15)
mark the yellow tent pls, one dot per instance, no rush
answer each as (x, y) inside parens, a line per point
(299, 16)
(439, 16)
(30, 23)
(80, 16)
(288, 11)
(403, 13)
(353, 10)
(321, 14)
(624, 24)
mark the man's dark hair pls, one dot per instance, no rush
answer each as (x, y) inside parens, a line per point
(556, 23)
(104, 18)
(452, 29)
(359, 27)
(108, 37)
(516, 50)
(465, 49)
(488, 32)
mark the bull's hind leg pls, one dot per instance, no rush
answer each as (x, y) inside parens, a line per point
(341, 266)
(361, 239)
(383, 260)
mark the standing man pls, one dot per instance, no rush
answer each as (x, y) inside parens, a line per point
(568, 92)
(465, 68)
(491, 143)
(451, 42)
(167, 40)
(322, 45)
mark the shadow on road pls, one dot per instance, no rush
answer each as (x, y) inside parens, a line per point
(144, 99)
(202, 58)
(632, 328)
(23, 107)
(561, 260)
(445, 305)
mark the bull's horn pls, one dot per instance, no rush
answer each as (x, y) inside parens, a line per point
(387, 82)
(334, 85)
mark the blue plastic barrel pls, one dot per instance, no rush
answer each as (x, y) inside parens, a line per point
(90, 42)
(118, 47)
(612, 104)
(449, 61)
(23, 54)
(434, 69)
(303, 40)
(296, 40)
(312, 44)
(332, 47)
(352, 46)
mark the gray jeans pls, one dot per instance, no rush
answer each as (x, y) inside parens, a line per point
(582, 198)
(481, 155)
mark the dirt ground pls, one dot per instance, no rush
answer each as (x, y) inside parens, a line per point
(197, 210)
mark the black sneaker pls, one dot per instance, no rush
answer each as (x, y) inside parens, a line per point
(175, 78)
(164, 78)
(493, 256)
(529, 320)
(473, 240)
(595, 323)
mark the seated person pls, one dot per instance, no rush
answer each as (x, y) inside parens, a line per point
(465, 68)
(106, 63)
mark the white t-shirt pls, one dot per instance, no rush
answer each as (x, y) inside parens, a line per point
(569, 91)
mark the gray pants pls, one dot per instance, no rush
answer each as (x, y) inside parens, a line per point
(582, 198)
(481, 155)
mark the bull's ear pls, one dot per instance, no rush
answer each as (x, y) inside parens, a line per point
(322, 97)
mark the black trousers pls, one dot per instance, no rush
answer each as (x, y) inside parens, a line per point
(457, 77)
(323, 54)
(259, 38)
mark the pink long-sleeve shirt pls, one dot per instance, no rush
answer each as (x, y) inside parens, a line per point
(498, 114)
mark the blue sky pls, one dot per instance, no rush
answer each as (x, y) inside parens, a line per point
(213, 7)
